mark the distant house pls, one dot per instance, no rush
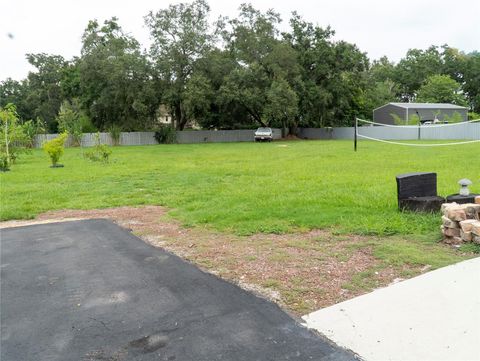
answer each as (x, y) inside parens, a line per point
(412, 113)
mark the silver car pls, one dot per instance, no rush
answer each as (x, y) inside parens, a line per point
(264, 134)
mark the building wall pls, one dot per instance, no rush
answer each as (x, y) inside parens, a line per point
(442, 114)
(384, 114)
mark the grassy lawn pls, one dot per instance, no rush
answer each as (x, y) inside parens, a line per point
(245, 188)
(251, 212)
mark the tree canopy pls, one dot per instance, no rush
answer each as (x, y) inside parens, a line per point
(232, 73)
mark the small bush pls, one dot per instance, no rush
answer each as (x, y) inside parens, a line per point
(69, 121)
(100, 152)
(165, 135)
(473, 116)
(31, 129)
(115, 131)
(4, 164)
(55, 148)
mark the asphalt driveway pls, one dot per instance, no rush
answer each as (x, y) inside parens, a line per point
(89, 290)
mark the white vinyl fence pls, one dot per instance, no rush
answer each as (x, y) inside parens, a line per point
(88, 139)
(470, 131)
(461, 131)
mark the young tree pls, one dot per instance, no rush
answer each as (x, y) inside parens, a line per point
(55, 148)
(69, 121)
(181, 35)
(12, 138)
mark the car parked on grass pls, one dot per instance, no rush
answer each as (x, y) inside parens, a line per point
(263, 134)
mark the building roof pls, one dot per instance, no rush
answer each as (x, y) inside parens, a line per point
(427, 105)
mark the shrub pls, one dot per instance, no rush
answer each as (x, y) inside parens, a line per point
(100, 152)
(165, 135)
(456, 117)
(31, 128)
(4, 164)
(115, 131)
(87, 125)
(55, 147)
(69, 120)
(473, 116)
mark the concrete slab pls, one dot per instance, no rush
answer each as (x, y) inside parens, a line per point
(435, 316)
(89, 290)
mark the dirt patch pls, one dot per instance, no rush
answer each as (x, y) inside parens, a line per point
(300, 271)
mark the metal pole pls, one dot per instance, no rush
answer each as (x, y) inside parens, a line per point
(419, 124)
(355, 135)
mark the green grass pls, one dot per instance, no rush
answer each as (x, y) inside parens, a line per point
(246, 187)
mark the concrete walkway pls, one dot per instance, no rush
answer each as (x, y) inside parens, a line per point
(435, 316)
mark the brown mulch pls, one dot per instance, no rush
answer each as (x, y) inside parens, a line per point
(300, 271)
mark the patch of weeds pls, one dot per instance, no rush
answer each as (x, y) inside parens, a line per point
(279, 256)
(342, 238)
(295, 300)
(342, 256)
(408, 273)
(470, 248)
(398, 252)
(204, 262)
(251, 258)
(270, 283)
(303, 244)
(363, 281)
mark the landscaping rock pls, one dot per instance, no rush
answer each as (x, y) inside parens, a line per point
(472, 210)
(448, 223)
(446, 206)
(466, 236)
(453, 240)
(460, 222)
(456, 214)
(467, 224)
(451, 232)
(476, 228)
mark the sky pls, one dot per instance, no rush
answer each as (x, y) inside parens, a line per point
(377, 27)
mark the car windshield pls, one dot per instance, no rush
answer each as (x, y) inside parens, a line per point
(264, 130)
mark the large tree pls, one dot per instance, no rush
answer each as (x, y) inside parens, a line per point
(181, 35)
(44, 87)
(413, 70)
(332, 76)
(441, 89)
(471, 85)
(266, 67)
(16, 92)
(116, 81)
